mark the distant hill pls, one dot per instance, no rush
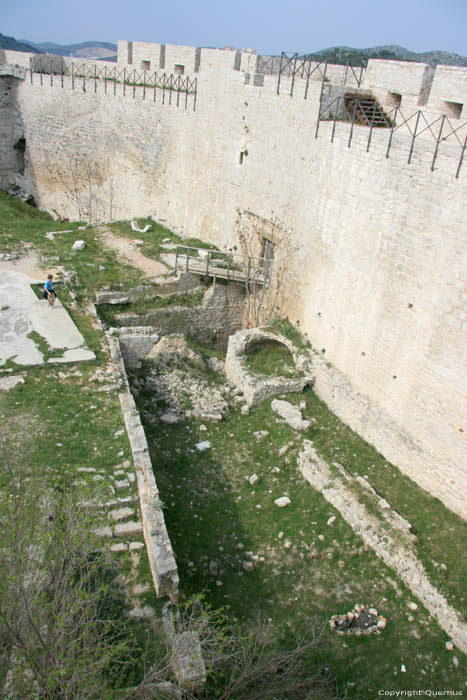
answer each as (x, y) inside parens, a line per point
(8, 42)
(87, 49)
(345, 54)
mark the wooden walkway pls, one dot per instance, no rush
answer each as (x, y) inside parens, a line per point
(229, 266)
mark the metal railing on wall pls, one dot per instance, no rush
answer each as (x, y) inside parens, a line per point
(440, 128)
(174, 88)
(305, 67)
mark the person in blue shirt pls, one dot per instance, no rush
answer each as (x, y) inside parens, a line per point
(49, 291)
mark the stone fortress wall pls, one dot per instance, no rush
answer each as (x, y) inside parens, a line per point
(380, 277)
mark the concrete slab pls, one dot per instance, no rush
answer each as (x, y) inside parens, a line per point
(22, 312)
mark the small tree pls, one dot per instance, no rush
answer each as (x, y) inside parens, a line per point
(59, 638)
(243, 662)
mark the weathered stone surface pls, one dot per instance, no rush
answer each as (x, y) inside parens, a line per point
(188, 664)
(128, 529)
(121, 513)
(282, 501)
(257, 389)
(118, 547)
(212, 322)
(174, 348)
(290, 414)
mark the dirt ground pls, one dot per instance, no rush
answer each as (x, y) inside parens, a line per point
(130, 252)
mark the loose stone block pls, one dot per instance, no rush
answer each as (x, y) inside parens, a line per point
(283, 501)
(188, 664)
(128, 529)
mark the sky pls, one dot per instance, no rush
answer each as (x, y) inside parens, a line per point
(269, 26)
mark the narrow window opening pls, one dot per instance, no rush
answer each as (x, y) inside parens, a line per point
(267, 255)
(20, 148)
(454, 109)
(240, 159)
(394, 99)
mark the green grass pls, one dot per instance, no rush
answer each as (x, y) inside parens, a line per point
(211, 508)
(61, 420)
(154, 238)
(109, 312)
(43, 346)
(270, 359)
(284, 327)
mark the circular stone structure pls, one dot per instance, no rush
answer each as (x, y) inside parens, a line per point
(254, 388)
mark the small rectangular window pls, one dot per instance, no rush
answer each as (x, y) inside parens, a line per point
(179, 69)
(145, 65)
(454, 109)
(394, 99)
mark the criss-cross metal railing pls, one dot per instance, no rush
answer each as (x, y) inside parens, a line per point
(83, 74)
(440, 128)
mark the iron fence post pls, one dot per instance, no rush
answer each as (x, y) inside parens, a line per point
(438, 142)
(462, 157)
(353, 122)
(414, 136)
(335, 120)
(371, 127)
(320, 107)
(390, 135)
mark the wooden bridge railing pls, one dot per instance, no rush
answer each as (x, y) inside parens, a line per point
(230, 266)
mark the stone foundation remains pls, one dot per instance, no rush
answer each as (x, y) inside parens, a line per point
(212, 322)
(256, 389)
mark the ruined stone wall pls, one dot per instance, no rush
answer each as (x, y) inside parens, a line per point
(212, 322)
(380, 286)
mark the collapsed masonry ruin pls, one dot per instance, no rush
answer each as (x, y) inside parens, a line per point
(381, 528)
(363, 170)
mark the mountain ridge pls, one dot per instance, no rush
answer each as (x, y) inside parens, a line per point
(343, 54)
(102, 50)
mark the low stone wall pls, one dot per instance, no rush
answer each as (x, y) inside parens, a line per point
(184, 282)
(135, 343)
(159, 549)
(257, 389)
(218, 317)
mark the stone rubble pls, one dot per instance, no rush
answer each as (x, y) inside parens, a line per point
(184, 393)
(360, 620)
(291, 414)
